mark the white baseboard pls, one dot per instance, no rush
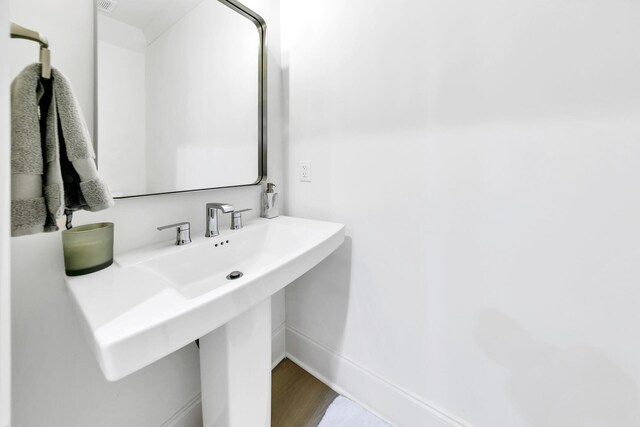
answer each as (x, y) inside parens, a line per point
(278, 345)
(190, 415)
(379, 396)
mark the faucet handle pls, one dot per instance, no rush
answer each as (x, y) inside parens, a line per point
(183, 233)
(224, 207)
(236, 219)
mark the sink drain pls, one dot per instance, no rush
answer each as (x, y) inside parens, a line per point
(234, 275)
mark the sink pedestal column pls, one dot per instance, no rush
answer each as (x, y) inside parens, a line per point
(235, 371)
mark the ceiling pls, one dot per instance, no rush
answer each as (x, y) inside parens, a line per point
(153, 17)
(138, 13)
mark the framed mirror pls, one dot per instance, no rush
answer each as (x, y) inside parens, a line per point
(181, 95)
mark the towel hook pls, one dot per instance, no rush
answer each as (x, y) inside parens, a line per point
(20, 32)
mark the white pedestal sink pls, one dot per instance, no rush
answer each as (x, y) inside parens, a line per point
(156, 300)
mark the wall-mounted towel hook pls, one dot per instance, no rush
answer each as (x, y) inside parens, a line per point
(20, 32)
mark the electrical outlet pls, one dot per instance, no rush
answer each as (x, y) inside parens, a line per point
(305, 171)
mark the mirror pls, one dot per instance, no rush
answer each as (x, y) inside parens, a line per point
(181, 95)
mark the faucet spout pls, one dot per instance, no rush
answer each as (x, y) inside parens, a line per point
(212, 217)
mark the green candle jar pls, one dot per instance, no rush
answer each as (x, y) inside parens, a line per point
(87, 248)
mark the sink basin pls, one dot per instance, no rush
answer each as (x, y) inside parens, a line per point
(158, 299)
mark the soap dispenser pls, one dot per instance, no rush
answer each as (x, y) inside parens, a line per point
(270, 207)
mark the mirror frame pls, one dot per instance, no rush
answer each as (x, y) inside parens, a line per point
(261, 26)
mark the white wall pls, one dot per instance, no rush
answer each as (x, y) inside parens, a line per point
(484, 157)
(5, 155)
(56, 379)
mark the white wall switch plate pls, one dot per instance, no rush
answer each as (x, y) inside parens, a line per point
(305, 170)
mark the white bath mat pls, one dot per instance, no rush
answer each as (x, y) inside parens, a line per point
(345, 413)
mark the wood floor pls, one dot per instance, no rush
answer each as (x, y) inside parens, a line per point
(297, 398)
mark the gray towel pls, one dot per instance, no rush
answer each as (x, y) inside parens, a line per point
(52, 159)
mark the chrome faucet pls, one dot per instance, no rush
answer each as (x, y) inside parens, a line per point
(183, 233)
(212, 217)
